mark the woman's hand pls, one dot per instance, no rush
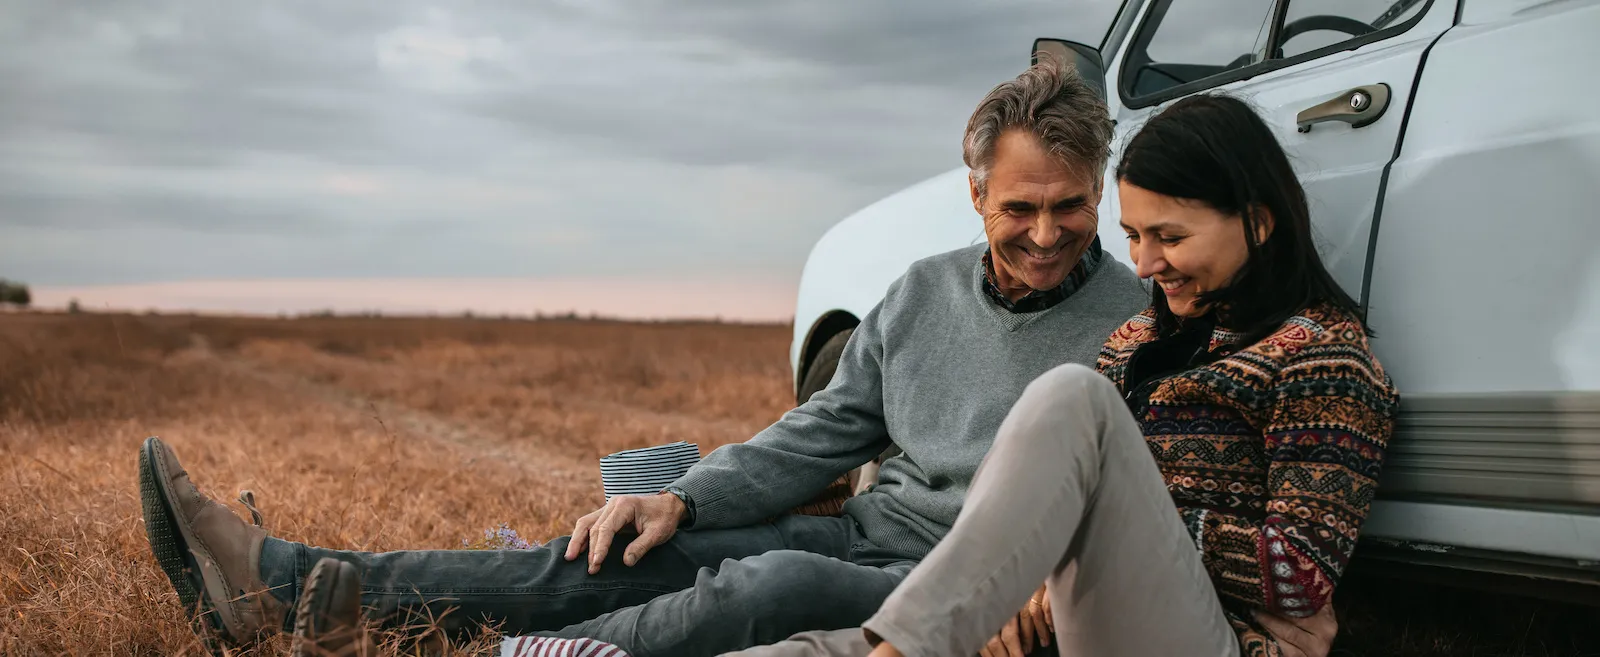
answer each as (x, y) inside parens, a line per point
(1029, 629)
(1311, 636)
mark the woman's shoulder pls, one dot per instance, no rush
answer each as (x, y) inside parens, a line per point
(1323, 323)
(1322, 340)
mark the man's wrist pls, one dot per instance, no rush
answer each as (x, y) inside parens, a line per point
(688, 505)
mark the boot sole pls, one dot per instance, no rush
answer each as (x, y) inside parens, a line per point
(316, 599)
(166, 541)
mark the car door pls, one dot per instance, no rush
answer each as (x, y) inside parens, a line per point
(1349, 63)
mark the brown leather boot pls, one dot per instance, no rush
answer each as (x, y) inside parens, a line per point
(327, 622)
(212, 557)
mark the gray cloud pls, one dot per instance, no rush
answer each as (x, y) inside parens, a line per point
(158, 210)
(192, 139)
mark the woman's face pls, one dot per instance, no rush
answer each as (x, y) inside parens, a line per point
(1186, 246)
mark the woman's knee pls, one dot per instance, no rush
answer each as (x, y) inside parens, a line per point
(1069, 382)
(1068, 402)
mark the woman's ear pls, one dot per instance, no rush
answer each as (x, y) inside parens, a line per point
(1263, 223)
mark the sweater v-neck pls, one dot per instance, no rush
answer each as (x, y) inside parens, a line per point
(1010, 321)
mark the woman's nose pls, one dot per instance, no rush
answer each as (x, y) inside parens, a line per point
(1147, 260)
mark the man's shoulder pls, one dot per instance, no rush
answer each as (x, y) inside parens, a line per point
(938, 275)
(955, 261)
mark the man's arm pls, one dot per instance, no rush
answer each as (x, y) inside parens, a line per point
(840, 428)
(788, 463)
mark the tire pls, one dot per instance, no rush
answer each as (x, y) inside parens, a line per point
(823, 365)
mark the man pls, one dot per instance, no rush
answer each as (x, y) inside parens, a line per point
(932, 370)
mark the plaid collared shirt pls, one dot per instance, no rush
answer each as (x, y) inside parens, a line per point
(1038, 300)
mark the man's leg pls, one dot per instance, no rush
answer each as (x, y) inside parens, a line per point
(526, 591)
(749, 602)
(1069, 492)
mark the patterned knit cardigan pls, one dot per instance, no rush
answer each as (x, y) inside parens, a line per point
(1272, 455)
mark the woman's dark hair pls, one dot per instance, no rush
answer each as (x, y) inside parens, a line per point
(1215, 149)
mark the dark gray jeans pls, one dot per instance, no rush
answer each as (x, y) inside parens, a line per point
(701, 593)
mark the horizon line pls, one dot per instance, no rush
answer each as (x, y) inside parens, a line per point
(686, 298)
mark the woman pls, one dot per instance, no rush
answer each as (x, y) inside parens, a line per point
(1250, 381)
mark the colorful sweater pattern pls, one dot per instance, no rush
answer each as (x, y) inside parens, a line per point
(1271, 452)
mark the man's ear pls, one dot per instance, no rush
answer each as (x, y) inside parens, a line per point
(977, 195)
(1264, 223)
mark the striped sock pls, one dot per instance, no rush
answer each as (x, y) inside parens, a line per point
(544, 646)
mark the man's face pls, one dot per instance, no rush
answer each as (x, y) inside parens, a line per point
(1039, 214)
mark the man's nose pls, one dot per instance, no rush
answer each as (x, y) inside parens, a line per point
(1046, 230)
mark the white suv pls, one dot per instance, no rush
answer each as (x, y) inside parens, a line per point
(1451, 150)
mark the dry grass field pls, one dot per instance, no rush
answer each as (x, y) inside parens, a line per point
(372, 434)
(381, 434)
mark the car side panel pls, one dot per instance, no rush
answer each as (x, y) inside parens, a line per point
(1486, 277)
(1485, 286)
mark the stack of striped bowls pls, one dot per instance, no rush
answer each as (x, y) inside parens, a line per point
(648, 470)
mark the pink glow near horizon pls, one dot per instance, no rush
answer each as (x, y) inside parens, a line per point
(743, 300)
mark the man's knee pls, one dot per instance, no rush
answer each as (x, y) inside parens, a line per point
(809, 590)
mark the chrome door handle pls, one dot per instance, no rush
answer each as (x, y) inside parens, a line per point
(1358, 107)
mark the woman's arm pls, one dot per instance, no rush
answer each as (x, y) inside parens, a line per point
(1326, 434)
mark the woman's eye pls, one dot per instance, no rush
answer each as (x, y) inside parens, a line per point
(1169, 241)
(1133, 237)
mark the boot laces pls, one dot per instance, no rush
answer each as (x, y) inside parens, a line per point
(247, 497)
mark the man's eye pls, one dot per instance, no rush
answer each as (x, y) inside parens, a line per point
(1169, 241)
(1133, 237)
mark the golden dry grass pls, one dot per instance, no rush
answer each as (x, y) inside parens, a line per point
(370, 434)
(379, 434)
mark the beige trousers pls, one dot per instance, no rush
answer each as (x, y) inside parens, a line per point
(1069, 495)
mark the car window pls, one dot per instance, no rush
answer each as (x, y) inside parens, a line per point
(1314, 24)
(1182, 42)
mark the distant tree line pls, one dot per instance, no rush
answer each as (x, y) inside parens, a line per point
(14, 293)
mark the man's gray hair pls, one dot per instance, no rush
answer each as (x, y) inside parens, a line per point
(1051, 101)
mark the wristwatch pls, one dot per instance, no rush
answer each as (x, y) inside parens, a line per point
(688, 505)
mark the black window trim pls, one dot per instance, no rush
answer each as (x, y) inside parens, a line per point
(1141, 40)
(1112, 29)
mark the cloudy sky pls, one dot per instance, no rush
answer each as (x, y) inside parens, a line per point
(243, 151)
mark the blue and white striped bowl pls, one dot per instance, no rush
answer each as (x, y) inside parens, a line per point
(648, 470)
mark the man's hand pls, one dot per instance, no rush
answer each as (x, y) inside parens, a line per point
(1311, 636)
(655, 517)
(1029, 629)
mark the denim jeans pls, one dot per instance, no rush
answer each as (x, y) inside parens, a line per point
(700, 593)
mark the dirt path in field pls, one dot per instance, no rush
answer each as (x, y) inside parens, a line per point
(478, 444)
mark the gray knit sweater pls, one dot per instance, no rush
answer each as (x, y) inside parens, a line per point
(933, 369)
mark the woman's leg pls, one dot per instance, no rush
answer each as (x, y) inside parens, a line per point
(848, 642)
(1069, 493)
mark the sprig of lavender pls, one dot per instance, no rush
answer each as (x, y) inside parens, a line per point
(500, 538)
